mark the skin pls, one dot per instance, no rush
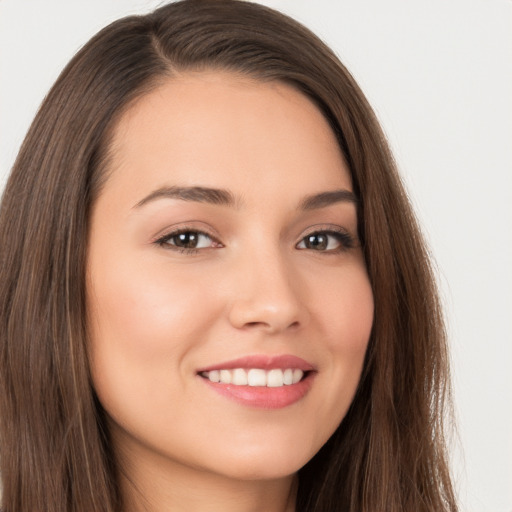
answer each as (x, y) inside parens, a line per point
(157, 313)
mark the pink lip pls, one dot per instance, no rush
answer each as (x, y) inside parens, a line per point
(263, 397)
(263, 362)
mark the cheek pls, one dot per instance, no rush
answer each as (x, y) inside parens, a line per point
(351, 328)
(344, 307)
(143, 308)
(345, 311)
(143, 320)
(353, 321)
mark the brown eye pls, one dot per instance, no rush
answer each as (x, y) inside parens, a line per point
(326, 241)
(317, 241)
(186, 240)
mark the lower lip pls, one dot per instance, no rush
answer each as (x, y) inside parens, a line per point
(263, 397)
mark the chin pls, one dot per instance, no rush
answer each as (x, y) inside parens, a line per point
(275, 469)
(264, 463)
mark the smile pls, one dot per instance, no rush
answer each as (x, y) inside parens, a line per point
(274, 378)
(261, 381)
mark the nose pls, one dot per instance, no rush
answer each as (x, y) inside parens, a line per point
(266, 296)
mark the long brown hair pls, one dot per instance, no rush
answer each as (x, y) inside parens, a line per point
(389, 452)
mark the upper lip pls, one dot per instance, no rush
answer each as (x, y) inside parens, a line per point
(264, 362)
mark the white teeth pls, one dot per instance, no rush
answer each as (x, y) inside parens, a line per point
(225, 376)
(256, 377)
(274, 378)
(214, 376)
(239, 377)
(297, 375)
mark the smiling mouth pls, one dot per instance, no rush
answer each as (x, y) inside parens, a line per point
(256, 377)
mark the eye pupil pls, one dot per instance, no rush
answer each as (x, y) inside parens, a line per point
(317, 241)
(187, 240)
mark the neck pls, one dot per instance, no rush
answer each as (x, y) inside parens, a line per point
(164, 486)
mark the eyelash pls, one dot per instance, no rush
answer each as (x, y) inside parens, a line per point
(346, 240)
(164, 240)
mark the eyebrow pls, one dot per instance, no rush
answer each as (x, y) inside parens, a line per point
(195, 194)
(325, 199)
(226, 198)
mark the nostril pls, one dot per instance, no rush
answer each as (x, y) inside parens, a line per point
(266, 312)
(270, 326)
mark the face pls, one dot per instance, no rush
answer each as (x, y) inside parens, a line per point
(228, 300)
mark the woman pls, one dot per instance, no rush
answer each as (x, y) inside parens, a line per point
(214, 294)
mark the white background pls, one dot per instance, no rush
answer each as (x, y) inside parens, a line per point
(439, 75)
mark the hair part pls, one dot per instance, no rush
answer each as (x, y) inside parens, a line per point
(389, 452)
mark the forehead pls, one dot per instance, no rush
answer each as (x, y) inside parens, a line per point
(224, 130)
